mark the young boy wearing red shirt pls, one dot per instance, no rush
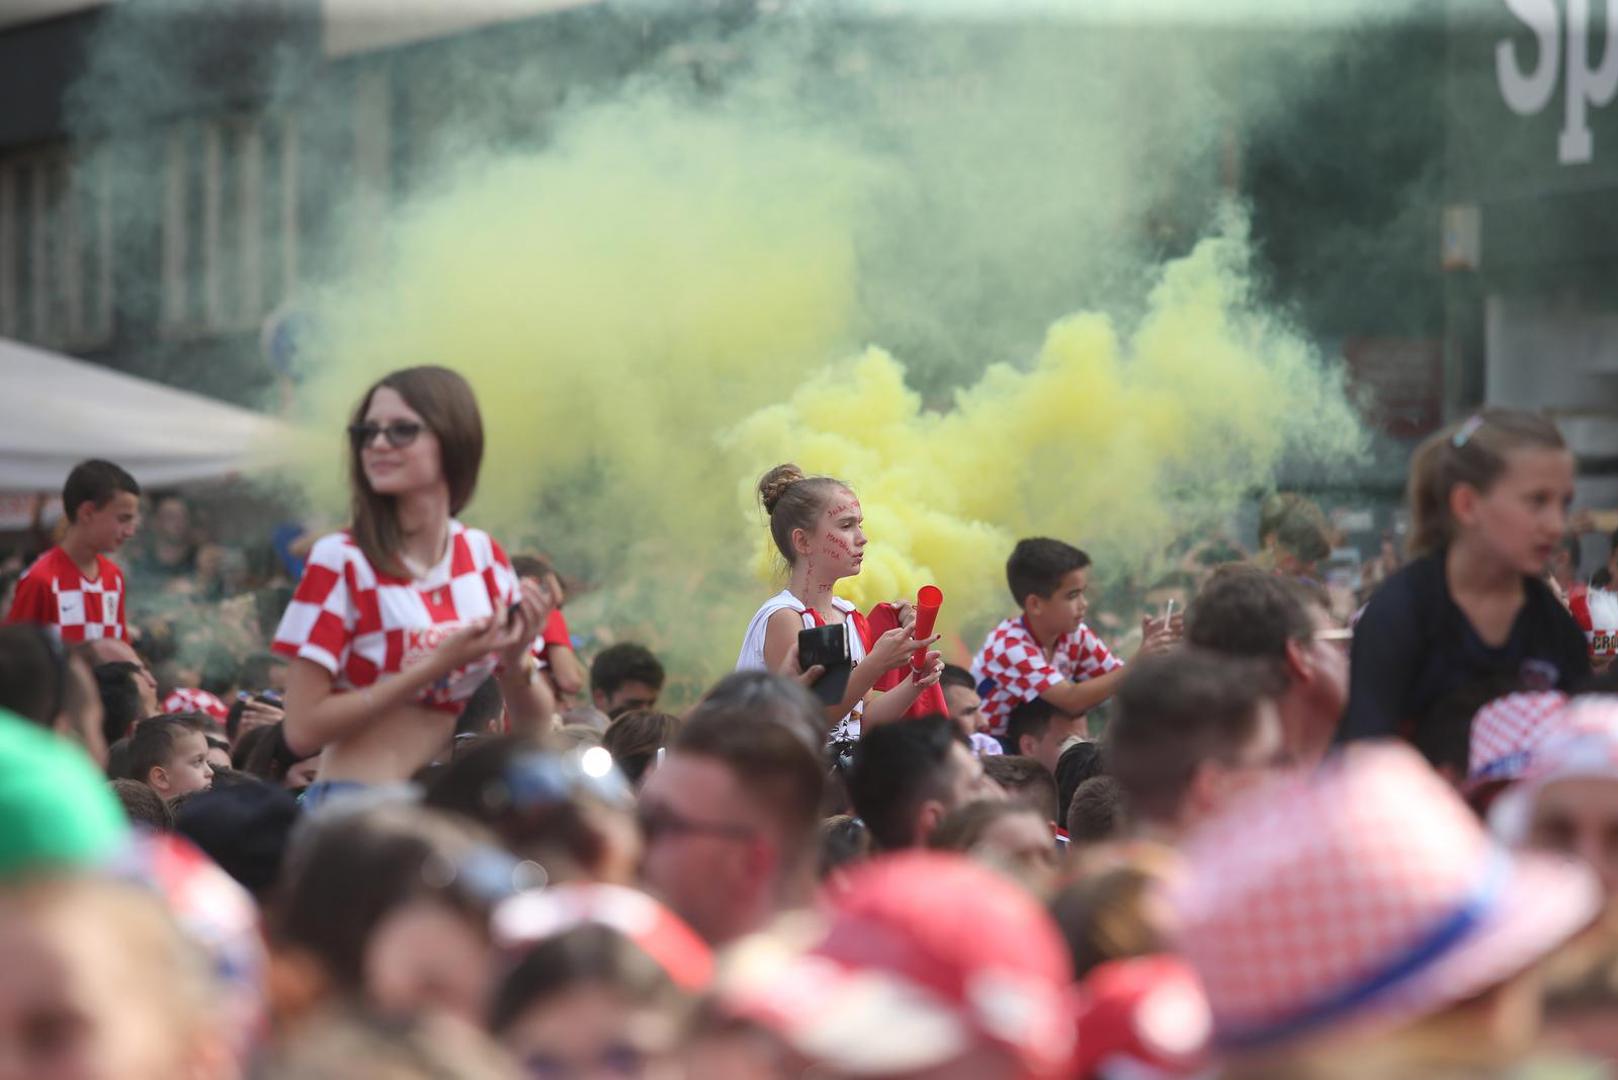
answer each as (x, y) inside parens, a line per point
(74, 587)
(1048, 651)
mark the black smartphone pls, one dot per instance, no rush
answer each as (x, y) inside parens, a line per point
(828, 647)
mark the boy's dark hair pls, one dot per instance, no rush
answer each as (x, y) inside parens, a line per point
(120, 698)
(94, 482)
(118, 759)
(1077, 764)
(844, 840)
(1026, 782)
(767, 731)
(1245, 611)
(1032, 717)
(142, 805)
(955, 675)
(896, 768)
(1097, 813)
(622, 663)
(152, 745)
(634, 738)
(1175, 712)
(1038, 565)
(481, 710)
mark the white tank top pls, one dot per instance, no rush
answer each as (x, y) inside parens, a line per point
(752, 654)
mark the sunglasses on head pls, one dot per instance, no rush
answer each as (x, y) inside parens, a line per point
(399, 433)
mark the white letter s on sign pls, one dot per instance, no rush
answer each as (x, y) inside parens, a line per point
(1528, 94)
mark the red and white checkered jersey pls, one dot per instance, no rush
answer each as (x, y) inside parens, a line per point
(1011, 667)
(53, 592)
(1596, 612)
(361, 625)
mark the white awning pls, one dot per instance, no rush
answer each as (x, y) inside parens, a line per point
(56, 411)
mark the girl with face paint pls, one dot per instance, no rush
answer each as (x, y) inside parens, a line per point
(818, 528)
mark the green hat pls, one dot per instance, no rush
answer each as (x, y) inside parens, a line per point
(55, 808)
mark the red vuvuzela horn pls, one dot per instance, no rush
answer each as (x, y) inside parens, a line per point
(928, 601)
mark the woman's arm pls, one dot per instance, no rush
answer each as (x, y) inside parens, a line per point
(891, 705)
(316, 718)
(529, 701)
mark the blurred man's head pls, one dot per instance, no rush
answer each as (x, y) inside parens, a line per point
(908, 774)
(1288, 627)
(731, 816)
(1038, 729)
(42, 683)
(1193, 729)
(625, 676)
(98, 651)
(961, 697)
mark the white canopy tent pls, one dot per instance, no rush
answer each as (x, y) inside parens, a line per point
(56, 411)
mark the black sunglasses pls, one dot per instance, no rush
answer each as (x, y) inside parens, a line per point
(399, 433)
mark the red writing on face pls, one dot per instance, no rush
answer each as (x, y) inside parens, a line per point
(836, 545)
(843, 508)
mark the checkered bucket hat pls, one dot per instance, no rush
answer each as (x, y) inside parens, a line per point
(1361, 898)
(1584, 746)
(1506, 730)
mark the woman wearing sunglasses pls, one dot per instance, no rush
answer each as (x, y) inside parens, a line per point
(399, 618)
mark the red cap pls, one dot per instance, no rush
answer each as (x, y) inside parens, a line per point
(923, 955)
(1142, 1011)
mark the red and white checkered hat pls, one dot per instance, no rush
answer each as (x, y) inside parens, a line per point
(1506, 730)
(920, 956)
(1362, 897)
(196, 701)
(1584, 746)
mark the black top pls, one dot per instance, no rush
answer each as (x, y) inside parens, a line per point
(1413, 647)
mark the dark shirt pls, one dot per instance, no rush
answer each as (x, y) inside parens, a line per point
(1413, 648)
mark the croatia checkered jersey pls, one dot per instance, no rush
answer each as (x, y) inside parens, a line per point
(360, 625)
(1011, 667)
(53, 592)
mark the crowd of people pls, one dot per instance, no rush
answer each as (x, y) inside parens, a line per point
(418, 836)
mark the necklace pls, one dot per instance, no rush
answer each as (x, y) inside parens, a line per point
(419, 571)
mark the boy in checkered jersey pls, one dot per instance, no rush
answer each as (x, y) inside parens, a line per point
(74, 588)
(1048, 651)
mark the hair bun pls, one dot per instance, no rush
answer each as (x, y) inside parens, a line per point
(773, 484)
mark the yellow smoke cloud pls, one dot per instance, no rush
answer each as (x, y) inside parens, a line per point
(1123, 445)
(669, 300)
